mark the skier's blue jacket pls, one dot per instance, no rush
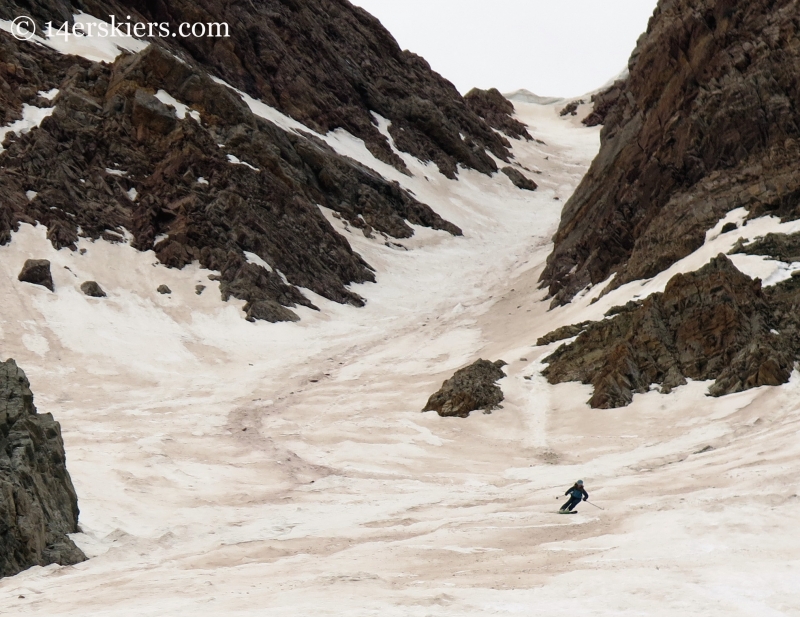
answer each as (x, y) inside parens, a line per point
(577, 492)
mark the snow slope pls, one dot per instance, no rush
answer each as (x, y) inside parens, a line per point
(230, 468)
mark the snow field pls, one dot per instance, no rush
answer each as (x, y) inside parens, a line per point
(229, 468)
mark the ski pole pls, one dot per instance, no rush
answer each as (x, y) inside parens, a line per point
(591, 504)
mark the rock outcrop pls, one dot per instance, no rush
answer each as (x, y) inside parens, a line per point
(716, 323)
(706, 122)
(781, 247)
(603, 102)
(268, 310)
(519, 179)
(325, 63)
(498, 112)
(564, 332)
(37, 272)
(106, 118)
(571, 108)
(38, 505)
(114, 158)
(471, 388)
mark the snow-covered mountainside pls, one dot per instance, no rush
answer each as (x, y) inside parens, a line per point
(204, 166)
(233, 467)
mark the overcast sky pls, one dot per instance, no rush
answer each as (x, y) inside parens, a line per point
(550, 47)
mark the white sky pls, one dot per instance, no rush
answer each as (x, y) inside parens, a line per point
(550, 47)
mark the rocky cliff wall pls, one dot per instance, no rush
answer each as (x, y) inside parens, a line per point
(38, 505)
(707, 121)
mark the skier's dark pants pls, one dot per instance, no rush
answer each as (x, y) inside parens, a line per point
(573, 501)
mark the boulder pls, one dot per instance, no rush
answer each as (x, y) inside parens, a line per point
(163, 289)
(603, 102)
(37, 272)
(92, 289)
(469, 389)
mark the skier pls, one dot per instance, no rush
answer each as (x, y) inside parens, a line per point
(576, 493)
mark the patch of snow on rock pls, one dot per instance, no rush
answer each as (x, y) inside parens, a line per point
(31, 118)
(237, 161)
(252, 258)
(181, 110)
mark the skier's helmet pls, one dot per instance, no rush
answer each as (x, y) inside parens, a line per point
(579, 483)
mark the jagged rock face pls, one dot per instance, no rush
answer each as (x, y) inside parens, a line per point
(716, 323)
(470, 389)
(603, 102)
(107, 118)
(323, 62)
(326, 63)
(705, 123)
(38, 505)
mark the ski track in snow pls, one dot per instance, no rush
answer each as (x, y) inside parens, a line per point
(229, 468)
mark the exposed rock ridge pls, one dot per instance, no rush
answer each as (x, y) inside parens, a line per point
(38, 505)
(716, 323)
(326, 63)
(706, 122)
(114, 157)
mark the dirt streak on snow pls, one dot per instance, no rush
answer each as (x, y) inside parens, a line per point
(229, 468)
